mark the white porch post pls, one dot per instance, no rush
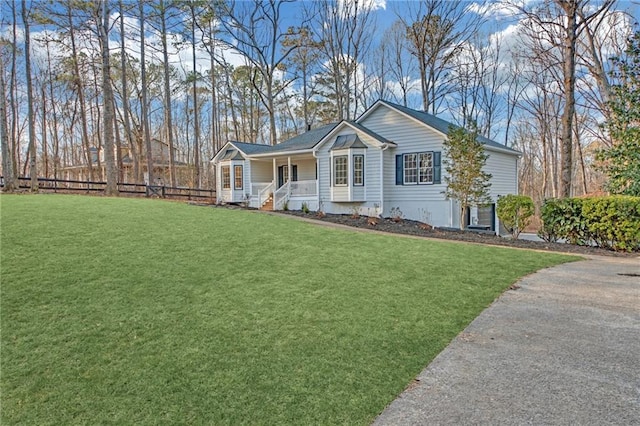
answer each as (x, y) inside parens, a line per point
(275, 172)
(288, 169)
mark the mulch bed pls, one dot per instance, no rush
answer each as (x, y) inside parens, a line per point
(410, 227)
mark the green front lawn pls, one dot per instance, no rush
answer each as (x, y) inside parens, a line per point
(141, 311)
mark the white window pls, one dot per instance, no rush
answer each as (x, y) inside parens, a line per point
(237, 177)
(410, 168)
(426, 167)
(226, 177)
(358, 170)
(340, 170)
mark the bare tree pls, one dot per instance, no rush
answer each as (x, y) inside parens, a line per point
(125, 96)
(33, 171)
(304, 60)
(561, 22)
(145, 106)
(345, 31)
(7, 164)
(107, 94)
(402, 65)
(436, 30)
(256, 26)
(162, 9)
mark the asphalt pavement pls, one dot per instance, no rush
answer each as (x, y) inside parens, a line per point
(562, 349)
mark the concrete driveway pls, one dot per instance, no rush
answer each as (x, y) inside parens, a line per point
(562, 349)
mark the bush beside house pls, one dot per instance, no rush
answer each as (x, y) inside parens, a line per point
(515, 212)
(609, 222)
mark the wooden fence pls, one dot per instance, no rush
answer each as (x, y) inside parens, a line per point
(134, 189)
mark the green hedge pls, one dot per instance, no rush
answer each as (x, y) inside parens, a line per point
(608, 222)
(515, 212)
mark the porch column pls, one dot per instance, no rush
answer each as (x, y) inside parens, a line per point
(289, 169)
(275, 172)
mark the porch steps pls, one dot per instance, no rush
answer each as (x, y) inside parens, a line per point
(267, 205)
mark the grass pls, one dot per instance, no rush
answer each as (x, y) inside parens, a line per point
(141, 311)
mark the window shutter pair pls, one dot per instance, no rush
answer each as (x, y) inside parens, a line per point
(436, 168)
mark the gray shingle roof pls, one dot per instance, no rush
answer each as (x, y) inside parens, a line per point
(443, 125)
(306, 140)
(251, 148)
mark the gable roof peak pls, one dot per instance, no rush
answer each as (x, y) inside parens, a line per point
(436, 123)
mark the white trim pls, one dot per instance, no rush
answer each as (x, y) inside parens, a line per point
(339, 127)
(281, 153)
(362, 168)
(346, 171)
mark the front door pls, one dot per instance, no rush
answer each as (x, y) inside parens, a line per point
(283, 174)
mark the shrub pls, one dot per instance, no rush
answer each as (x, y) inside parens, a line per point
(609, 222)
(549, 214)
(613, 222)
(515, 212)
(305, 208)
(562, 218)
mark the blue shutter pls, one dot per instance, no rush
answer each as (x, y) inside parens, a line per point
(399, 169)
(436, 167)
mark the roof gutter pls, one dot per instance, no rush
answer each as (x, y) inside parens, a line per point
(278, 153)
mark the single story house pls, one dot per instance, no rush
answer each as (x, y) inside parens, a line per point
(388, 160)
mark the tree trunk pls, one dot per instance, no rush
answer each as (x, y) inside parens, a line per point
(33, 172)
(13, 103)
(168, 119)
(56, 137)
(569, 68)
(7, 163)
(125, 99)
(45, 150)
(108, 110)
(80, 88)
(145, 114)
(196, 118)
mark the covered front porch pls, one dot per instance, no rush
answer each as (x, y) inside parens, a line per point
(284, 182)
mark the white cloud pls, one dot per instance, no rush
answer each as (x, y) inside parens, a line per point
(499, 10)
(363, 5)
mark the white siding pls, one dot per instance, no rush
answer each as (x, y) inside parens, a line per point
(427, 202)
(417, 202)
(503, 169)
(261, 171)
(306, 168)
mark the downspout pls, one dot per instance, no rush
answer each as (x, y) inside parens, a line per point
(450, 213)
(384, 148)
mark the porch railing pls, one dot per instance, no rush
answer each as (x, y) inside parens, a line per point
(257, 187)
(281, 196)
(265, 192)
(303, 188)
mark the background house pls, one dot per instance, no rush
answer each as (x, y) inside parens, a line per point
(161, 162)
